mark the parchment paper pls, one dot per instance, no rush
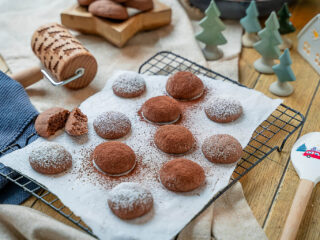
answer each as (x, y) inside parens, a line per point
(85, 191)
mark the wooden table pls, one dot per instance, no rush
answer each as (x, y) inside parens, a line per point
(270, 187)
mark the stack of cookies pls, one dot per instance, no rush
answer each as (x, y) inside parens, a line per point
(115, 9)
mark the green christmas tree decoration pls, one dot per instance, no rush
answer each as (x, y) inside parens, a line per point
(302, 148)
(285, 74)
(284, 20)
(251, 25)
(268, 45)
(211, 35)
(250, 22)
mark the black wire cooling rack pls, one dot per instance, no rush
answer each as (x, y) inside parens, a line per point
(283, 122)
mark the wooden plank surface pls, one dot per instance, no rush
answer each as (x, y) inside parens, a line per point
(270, 187)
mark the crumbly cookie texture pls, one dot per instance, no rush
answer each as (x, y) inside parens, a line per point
(50, 121)
(77, 123)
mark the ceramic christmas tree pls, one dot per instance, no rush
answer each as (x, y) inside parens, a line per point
(268, 45)
(251, 25)
(285, 26)
(285, 74)
(211, 35)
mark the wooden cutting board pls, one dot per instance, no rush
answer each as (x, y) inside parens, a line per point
(118, 33)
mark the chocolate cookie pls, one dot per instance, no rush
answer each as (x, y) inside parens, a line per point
(119, 1)
(143, 5)
(161, 109)
(85, 2)
(50, 121)
(50, 158)
(222, 148)
(108, 9)
(129, 200)
(114, 158)
(174, 139)
(184, 86)
(129, 85)
(223, 109)
(112, 125)
(182, 175)
(77, 123)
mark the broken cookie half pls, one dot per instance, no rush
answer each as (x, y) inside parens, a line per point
(54, 119)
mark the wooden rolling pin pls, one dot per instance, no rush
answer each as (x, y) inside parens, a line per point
(61, 54)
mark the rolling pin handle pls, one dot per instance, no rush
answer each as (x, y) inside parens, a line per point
(28, 76)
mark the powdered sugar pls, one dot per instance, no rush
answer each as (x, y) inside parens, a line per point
(223, 107)
(112, 123)
(85, 190)
(128, 195)
(129, 82)
(50, 155)
(221, 148)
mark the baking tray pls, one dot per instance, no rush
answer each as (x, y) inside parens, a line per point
(283, 122)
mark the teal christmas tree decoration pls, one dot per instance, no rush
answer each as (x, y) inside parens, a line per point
(283, 69)
(284, 20)
(268, 45)
(285, 74)
(211, 35)
(251, 25)
(250, 22)
(302, 148)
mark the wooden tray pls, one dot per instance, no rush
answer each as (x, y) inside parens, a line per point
(118, 33)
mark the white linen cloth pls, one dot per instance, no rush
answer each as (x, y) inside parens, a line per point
(19, 19)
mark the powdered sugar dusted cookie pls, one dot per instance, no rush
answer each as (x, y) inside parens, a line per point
(129, 85)
(222, 148)
(112, 125)
(50, 158)
(129, 200)
(223, 109)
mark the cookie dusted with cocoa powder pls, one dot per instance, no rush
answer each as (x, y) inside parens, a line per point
(223, 109)
(50, 158)
(161, 109)
(143, 5)
(174, 139)
(77, 123)
(182, 175)
(108, 9)
(222, 148)
(184, 86)
(129, 200)
(114, 158)
(50, 121)
(112, 125)
(129, 85)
